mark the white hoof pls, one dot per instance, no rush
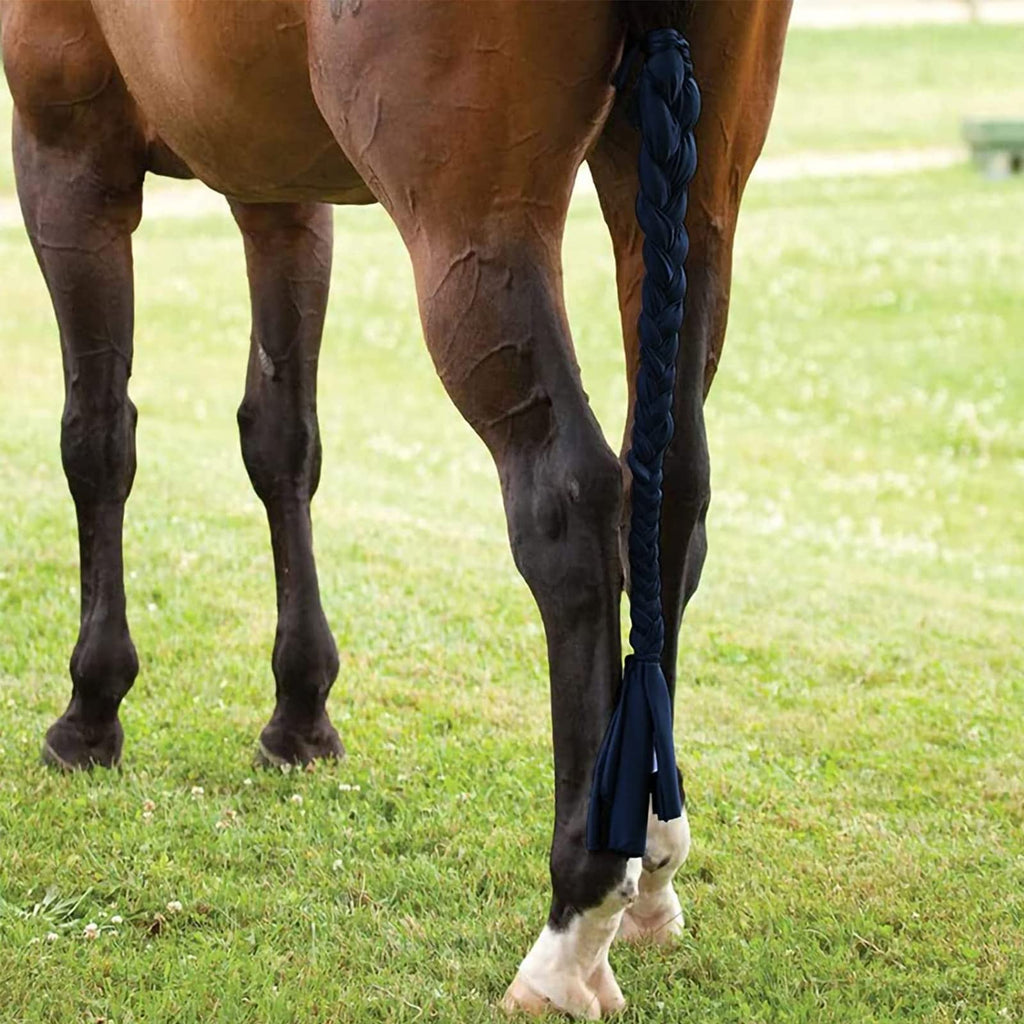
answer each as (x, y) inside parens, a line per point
(568, 970)
(577, 1000)
(606, 988)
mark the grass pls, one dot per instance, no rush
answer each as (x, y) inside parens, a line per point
(852, 673)
(894, 87)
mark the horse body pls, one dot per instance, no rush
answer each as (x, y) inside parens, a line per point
(226, 86)
(468, 122)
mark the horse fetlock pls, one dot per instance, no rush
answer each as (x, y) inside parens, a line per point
(305, 661)
(657, 915)
(103, 667)
(668, 845)
(568, 971)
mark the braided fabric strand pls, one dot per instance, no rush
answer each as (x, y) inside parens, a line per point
(636, 764)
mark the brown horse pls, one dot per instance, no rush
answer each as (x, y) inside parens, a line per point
(468, 122)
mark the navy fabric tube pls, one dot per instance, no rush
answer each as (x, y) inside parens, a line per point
(636, 764)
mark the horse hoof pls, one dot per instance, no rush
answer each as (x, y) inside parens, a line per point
(585, 1004)
(69, 748)
(655, 918)
(278, 745)
(520, 998)
(599, 997)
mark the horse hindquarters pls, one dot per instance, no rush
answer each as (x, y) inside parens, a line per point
(78, 158)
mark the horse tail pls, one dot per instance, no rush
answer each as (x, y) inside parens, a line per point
(643, 16)
(636, 765)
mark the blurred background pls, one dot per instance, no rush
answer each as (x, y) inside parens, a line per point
(852, 674)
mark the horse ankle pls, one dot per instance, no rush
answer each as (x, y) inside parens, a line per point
(305, 664)
(104, 665)
(668, 845)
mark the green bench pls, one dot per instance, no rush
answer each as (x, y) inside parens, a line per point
(997, 147)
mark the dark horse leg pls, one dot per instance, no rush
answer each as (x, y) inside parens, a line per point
(737, 54)
(479, 192)
(79, 162)
(288, 254)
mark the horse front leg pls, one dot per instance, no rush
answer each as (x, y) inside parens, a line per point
(79, 180)
(288, 251)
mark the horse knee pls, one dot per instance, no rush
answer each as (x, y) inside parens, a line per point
(279, 451)
(97, 441)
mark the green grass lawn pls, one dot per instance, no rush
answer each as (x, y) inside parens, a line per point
(894, 87)
(852, 677)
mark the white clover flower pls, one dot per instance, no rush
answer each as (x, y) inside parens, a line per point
(91, 930)
(52, 936)
(147, 815)
(117, 919)
(174, 906)
(246, 782)
(338, 864)
(198, 791)
(296, 798)
(148, 805)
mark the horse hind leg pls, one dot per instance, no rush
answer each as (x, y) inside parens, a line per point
(738, 49)
(79, 168)
(288, 256)
(494, 324)
(479, 184)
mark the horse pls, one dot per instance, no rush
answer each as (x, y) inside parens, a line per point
(468, 122)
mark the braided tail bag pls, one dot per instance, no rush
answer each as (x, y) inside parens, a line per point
(636, 765)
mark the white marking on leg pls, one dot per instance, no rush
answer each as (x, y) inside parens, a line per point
(569, 969)
(266, 363)
(657, 915)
